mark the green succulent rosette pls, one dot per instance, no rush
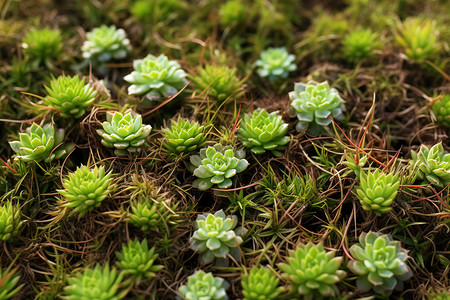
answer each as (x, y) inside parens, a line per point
(9, 287)
(263, 132)
(85, 189)
(216, 165)
(43, 45)
(313, 272)
(441, 110)
(260, 283)
(10, 222)
(156, 77)
(360, 44)
(105, 43)
(432, 165)
(70, 95)
(125, 132)
(40, 144)
(151, 215)
(314, 103)
(183, 136)
(201, 285)
(275, 63)
(377, 191)
(379, 262)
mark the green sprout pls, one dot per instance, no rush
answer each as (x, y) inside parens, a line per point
(260, 283)
(10, 222)
(379, 262)
(275, 63)
(183, 136)
(151, 214)
(441, 110)
(232, 13)
(9, 281)
(360, 44)
(201, 285)
(43, 45)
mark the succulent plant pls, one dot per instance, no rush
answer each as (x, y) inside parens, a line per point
(216, 165)
(70, 95)
(314, 103)
(9, 281)
(43, 45)
(100, 283)
(263, 131)
(232, 13)
(312, 271)
(152, 12)
(442, 295)
(260, 283)
(441, 110)
(359, 44)
(40, 144)
(355, 166)
(138, 260)
(125, 132)
(85, 189)
(377, 191)
(275, 63)
(156, 77)
(220, 81)
(432, 165)
(151, 214)
(10, 222)
(214, 237)
(203, 286)
(379, 262)
(183, 136)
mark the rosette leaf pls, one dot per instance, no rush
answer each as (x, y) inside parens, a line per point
(183, 136)
(203, 286)
(260, 284)
(441, 110)
(275, 63)
(10, 222)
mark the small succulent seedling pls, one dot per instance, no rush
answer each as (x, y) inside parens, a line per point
(360, 44)
(9, 280)
(215, 237)
(377, 191)
(153, 215)
(10, 222)
(313, 272)
(85, 189)
(43, 45)
(201, 285)
(275, 63)
(152, 12)
(263, 132)
(355, 165)
(443, 295)
(432, 165)
(101, 283)
(124, 131)
(70, 95)
(260, 283)
(379, 262)
(216, 165)
(40, 144)
(183, 136)
(232, 13)
(441, 110)
(156, 77)
(314, 103)
(138, 260)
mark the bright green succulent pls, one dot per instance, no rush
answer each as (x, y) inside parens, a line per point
(10, 222)
(40, 144)
(154, 11)
(124, 131)
(156, 77)
(260, 284)
(360, 44)
(220, 82)
(138, 260)
(314, 103)
(203, 286)
(379, 262)
(275, 63)
(9, 281)
(263, 131)
(100, 283)
(183, 136)
(441, 110)
(43, 45)
(70, 95)
(232, 12)
(85, 189)
(151, 214)
(313, 272)
(443, 295)
(215, 237)
(216, 165)
(377, 191)
(432, 165)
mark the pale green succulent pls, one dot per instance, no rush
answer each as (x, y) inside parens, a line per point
(260, 284)
(9, 281)
(10, 222)
(138, 260)
(183, 136)
(263, 132)
(314, 103)
(70, 95)
(441, 110)
(40, 144)
(432, 165)
(377, 191)
(203, 286)
(360, 44)
(151, 214)
(85, 189)
(379, 262)
(100, 283)
(313, 272)
(216, 165)
(156, 77)
(125, 132)
(215, 237)
(275, 63)
(43, 45)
